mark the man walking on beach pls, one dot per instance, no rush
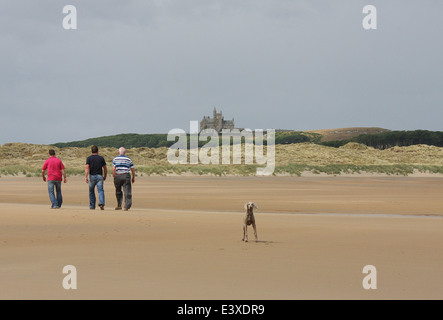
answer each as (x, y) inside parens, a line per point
(122, 166)
(95, 175)
(56, 170)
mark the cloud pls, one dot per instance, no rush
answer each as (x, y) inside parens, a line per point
(150, 66)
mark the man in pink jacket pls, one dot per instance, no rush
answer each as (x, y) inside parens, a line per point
(56, 170)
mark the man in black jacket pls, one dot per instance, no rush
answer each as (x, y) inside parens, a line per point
(95, 175)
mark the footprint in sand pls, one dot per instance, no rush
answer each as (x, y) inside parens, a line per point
(144, 222)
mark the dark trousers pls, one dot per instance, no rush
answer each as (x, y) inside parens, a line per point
(123, 181)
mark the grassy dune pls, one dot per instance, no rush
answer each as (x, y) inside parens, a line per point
(294, 159)
(345, 133)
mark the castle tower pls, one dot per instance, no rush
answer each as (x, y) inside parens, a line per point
(217, 122)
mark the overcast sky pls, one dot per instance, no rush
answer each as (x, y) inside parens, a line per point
(149, 66)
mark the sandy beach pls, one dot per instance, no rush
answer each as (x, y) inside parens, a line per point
(182, 239)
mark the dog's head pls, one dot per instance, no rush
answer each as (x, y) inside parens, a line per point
(249, 206)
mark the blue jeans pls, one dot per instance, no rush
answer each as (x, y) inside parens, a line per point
(56, 200)
(96, 180)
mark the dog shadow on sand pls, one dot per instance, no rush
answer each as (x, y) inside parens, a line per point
(260, 241)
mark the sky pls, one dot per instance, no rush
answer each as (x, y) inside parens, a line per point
(151, 66)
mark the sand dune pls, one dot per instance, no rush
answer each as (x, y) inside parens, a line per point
(182, 240)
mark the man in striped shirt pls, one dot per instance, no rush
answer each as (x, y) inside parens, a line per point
(121, 171)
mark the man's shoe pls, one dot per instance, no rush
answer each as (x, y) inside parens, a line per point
(118, 208)
(126, 209)
(102, 207)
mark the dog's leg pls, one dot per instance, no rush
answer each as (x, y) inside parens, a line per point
(245, 233)
(255, 231)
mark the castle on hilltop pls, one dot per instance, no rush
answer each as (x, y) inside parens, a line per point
(217, 122)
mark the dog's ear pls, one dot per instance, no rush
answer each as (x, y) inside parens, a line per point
(246, 205)
(254, 205)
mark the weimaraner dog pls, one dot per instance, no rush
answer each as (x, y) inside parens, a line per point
(248, 220)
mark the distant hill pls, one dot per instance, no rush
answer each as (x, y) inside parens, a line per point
(128, 140)
(390, 139)
(373, 137)
(133, 140)
(346, 133)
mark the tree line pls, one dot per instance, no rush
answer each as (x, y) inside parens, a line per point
(128, 140)
(391, 139)
(133, 140)
(379, 141)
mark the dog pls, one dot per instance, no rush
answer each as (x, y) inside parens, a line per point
(248, 220)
